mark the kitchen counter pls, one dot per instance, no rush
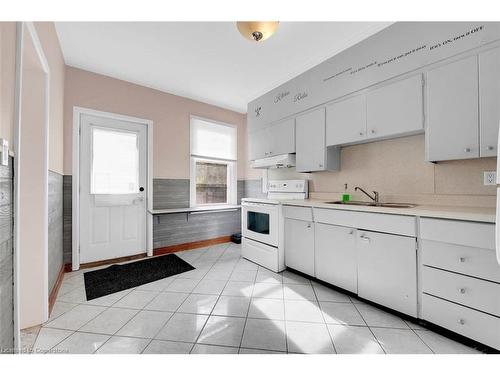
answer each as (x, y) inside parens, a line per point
(480, 214)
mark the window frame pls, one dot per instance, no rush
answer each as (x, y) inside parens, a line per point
(231, 169)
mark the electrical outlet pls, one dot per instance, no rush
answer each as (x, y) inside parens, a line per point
(490, 178)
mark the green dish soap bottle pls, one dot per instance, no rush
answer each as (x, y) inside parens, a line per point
(346, 197)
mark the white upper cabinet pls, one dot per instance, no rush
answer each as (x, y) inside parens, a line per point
(346, 121)
(282, 138)
(452, 99)
(395, 109)
(272, 140)
(312, 153)
(489, 101)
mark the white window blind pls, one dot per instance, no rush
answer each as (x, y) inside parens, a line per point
(213, 140)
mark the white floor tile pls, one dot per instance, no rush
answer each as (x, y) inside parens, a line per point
(60, 308)
(81, 343)
(197, 274)
(210, 287)
(48, 338)
(298, 292)
(167, 347)
(266, 276)
(415, 326)
(77, 295)
(123, 345)
(400, 341)
(137, 299)
(213, 349)
(243, 275)
(167, 301)
(218, 274)
(264, 334)
(341, 313)
(293, 278)
(108, 300)
(158, 285)
(109, 322)
(238, 289)
(376, 317)
(222, 330)
(326, 294)
(182, 285)
(76, 318)
(443, 345)
(266, 308)
(244, 264)
(183, 327)
(267, 290)
(308, 338)
(354, 340)
(258, 351)
(232, 306)
(146, 324)
(198, 304)
(303, 311)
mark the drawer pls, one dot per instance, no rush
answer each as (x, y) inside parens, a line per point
(264, 255)
(298, 213)
(470, 261)
(468, 291)
(464, 233)
(386, 223)
(476, 325)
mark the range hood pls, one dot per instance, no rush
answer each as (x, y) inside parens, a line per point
(278, 161)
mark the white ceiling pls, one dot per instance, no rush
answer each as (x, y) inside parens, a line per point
(206, 61)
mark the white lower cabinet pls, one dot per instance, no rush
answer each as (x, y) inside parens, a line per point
(299, 245)
(387, 270)
(335, 256)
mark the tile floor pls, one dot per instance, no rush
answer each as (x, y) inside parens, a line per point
(227, 305)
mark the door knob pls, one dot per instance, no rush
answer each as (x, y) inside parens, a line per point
(141, 189)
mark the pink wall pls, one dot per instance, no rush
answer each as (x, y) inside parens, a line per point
(170, 114)
(7, 80)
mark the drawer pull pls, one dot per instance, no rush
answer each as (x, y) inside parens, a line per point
(467, 149)
(351, 232)
(364, 238)
(309, 225)
(461, 260)
(461, 290)
(461, 322)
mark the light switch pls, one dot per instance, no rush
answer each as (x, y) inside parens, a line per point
(490, 178)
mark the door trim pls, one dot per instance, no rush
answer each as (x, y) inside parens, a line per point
(77, 113)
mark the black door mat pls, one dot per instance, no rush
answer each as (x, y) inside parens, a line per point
(119, 277)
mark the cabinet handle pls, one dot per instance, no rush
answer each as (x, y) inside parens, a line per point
(309, 225)
(364, 238)
(461, 290)
(321, 165)
(270, 152)
(351, 232)
(373, 131)
(461, 322)
(490, 148)
(467, 149)
(461, 260)
(360, 133)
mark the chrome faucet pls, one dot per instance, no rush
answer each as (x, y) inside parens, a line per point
(375, 197)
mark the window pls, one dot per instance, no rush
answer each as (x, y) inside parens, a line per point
(115, 162)
(213, 163)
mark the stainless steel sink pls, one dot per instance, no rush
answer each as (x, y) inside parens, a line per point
(373, 204)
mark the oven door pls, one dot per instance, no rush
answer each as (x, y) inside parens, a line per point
(259, 222)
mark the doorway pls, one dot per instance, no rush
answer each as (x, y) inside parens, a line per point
(111, 187)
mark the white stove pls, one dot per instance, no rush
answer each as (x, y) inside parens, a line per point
(263, 224)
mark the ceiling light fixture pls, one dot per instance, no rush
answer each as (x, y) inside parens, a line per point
(257, 31)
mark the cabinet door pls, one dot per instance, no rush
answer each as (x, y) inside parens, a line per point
(335, 256)
(258, 144)
(299, 245)
(489, 101)
(310, 141)
(453, 111)
(395, 109)
(387, 270)
(346, 121)
(282, 138)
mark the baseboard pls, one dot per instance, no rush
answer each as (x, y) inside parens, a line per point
(156, 252)
(55, 289)
(191, 245)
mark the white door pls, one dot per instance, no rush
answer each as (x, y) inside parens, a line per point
(453, 125)
(346, 121)
(113, 173)
(396, 108)
(335, 256)
(387, 270)
(310, 141)
(299, 245)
